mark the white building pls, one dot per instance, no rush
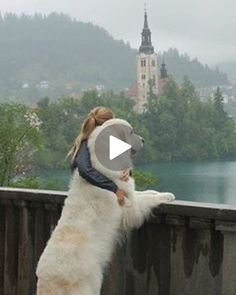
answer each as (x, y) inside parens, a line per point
(147, 68)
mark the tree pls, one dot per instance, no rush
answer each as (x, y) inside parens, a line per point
(177, 126)
(19, 129)
(219, 102)
(181, 127)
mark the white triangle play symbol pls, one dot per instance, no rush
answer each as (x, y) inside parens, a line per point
(117, 147)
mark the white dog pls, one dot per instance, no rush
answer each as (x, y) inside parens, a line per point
(91, 223)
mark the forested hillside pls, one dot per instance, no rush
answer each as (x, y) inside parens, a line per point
(230, 68)
(180, 65)
(55, 55)
(60, 50)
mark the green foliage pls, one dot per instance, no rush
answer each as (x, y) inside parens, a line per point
(19, 137)
(52, 184)
(26, 182)
(62, 119)
(34, 182)
(184, 128)
(176, 126)
(225, 126)
(144, 180)
(219, 105)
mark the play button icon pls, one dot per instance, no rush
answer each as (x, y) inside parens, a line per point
(117, 147)
(113, 147)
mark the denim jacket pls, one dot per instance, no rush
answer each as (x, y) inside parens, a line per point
(83, 163)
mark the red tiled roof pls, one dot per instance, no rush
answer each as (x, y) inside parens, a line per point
(133, 90)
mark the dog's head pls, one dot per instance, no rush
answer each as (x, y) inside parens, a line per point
(122, 130)
(125, 132)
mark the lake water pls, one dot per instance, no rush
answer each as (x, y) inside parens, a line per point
(212, 182)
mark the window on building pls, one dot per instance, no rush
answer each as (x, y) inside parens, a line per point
(153, 63)
(143, 77)
(143, 63)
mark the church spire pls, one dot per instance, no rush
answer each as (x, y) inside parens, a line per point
(146, 46)
(145, 20)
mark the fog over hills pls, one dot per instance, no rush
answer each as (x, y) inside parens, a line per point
(54, 55)
(229, 67)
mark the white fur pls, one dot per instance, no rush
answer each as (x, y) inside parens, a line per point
(82, 243)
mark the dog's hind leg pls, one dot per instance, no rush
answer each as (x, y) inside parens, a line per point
(93, 282)
(58, 287)
(92, 286)
(85, 289)
(96, 280)
(48, 288)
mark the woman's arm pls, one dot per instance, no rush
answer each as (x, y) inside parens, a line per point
(83, 163)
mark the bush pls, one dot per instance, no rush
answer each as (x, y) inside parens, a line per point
(144, 180)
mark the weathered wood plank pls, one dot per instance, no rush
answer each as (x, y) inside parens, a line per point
(25, 253)
(11, 250)
(32, 195)
(2, 238)
(229, 264)
(136, 265)
(39, 238)
(114, 279)
(199, 210)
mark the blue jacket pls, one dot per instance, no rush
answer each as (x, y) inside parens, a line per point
(83, 163)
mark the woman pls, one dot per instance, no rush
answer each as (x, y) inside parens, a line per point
(81, 156)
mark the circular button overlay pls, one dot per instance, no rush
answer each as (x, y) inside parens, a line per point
(116, 145)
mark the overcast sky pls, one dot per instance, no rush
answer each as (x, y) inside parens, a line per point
(202, 28)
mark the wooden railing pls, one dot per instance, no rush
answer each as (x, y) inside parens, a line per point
(186, 248)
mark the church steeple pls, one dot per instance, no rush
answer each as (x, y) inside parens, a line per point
(147, 69)
(146, 46)
(145, 26)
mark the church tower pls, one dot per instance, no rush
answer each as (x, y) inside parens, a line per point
(147, 69)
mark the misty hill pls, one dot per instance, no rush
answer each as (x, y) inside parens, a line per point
(230, 68)
(54, 55)
(180, 65)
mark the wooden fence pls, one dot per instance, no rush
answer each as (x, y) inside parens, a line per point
(186, 248)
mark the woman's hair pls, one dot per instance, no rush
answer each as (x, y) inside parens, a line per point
(96, 117)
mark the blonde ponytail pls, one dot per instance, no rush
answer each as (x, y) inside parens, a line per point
(96, 117)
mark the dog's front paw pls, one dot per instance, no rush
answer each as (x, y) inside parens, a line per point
(167, 197)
